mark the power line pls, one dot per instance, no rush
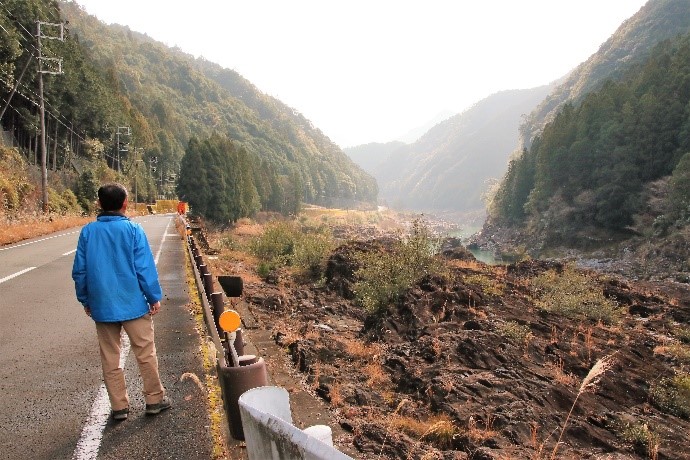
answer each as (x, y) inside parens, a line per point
(53, 115)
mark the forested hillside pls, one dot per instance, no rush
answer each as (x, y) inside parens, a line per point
(614, 165)
(132, 104)
(451, 167)
(632, 43)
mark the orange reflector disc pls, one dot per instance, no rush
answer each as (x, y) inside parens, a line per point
(229, 321)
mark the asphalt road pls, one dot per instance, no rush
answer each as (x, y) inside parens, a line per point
(50, 370)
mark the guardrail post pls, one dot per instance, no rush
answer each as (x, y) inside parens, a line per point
(235, 381)
(208, 285)
(217, 308)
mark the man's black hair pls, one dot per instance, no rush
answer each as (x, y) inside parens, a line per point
(112, 196)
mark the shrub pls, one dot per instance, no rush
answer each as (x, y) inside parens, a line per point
(515, 332)
(62, 203)
(489, 285)
(683, 334)
(9, 198)
(574, 295)
(287, 244)
(311, 251)
(276, 244)
(228, 242)
(641, 437)
(672, 395)
(384, 276)
(70, 199)
(14, 183)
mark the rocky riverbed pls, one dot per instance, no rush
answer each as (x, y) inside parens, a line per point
(471, 365)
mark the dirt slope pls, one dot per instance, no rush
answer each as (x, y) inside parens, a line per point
(468, 366)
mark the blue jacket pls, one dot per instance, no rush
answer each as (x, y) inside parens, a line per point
(114, 272)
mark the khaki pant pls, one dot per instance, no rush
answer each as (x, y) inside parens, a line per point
(141, 338)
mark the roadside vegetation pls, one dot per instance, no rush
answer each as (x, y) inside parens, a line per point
(21, 215)
(420, 350)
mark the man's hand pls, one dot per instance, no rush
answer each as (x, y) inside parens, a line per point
(155, 308)
(87, 310)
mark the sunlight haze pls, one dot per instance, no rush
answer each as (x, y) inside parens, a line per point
(372, 71)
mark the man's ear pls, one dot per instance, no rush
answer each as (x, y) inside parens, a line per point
(124, 204)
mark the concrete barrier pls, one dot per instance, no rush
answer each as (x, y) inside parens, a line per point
(270, 434)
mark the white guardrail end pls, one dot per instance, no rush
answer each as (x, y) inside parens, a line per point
(270, 434)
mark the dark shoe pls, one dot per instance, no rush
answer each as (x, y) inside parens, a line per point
(120, 415)
(153, 409)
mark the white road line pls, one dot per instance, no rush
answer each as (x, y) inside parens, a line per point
(160, 247)
(38, 241)
(14, 275)
(70, 252)
(92, 434)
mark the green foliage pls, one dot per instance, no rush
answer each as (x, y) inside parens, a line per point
(228, 242)
(171, 97)
(290, 244)
(87, 191)
(683, 334)
(589, 166)
(645, 439)
(217, 180)
(15, 187)
(672, 395)
(515, 331)
(312, 250)
(276, 243)
(488, 285)
(166, 97)
(574, 295)
(679, 189)
(384, 276)
(62, 203)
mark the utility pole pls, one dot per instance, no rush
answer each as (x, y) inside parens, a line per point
(41, 59)
(136, 178)
(124, 147)
(152, 162)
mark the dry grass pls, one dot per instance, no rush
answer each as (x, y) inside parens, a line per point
(479, 434)
(588, 384)
(439, 430)
(560, 375)
(248, 229)
(488, 284)
(337, 399)
(677, 351)
(361, 350)
(32, 227)
(473, 265)
(376, 375)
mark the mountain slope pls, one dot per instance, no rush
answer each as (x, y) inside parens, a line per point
(448, 168)
(656, 21)
(611, 168)
(370, 156)
(180, 96)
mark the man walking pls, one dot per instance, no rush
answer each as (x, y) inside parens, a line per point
(116, 281)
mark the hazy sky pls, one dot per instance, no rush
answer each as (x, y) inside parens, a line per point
(371, 70)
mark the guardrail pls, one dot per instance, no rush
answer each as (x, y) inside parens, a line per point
(264, 422)
(270, 434)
